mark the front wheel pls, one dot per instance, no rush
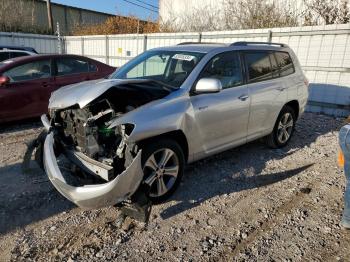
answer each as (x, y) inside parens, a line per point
(163, 167)
(283, 129)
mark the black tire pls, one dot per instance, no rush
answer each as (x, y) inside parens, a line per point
(155, 147)
(272, 140)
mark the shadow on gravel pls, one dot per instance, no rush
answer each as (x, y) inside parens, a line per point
(240, 168)
(233, 185)
(17, 126)
(26, 198)
(30, 198)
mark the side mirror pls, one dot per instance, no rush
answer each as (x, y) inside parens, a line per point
(208, 85)
(4, 80)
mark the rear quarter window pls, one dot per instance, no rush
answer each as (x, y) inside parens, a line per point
(285, 63)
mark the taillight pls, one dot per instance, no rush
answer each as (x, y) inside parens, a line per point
(341, 160)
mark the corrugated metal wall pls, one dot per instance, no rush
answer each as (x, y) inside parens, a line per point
(35, 14)
(323, 51)
(42, 43)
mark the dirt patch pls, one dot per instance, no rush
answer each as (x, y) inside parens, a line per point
(250, 203)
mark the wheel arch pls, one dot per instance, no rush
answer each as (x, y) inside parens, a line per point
(294, 104)
(177, 135)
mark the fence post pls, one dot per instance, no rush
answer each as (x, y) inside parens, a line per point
(144, 43)
(82, 45)
(199, 37)
(269, 36)
(59, 43)
(107, 49)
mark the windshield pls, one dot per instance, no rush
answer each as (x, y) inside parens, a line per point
(168, 67)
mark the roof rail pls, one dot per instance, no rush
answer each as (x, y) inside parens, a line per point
(244, 43)
(200, 43)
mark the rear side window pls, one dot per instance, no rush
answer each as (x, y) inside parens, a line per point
(70, 66)
(258, 65)
(285, 63)
(92, 67)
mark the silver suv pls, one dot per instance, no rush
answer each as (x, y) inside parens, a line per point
(106, 139)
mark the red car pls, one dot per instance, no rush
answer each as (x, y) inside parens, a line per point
(26, 83)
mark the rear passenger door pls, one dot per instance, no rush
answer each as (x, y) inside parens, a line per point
(267, 91)
(71, 70)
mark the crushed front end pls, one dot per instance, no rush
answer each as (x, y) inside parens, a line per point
(89, 163)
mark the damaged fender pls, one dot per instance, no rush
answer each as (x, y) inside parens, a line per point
(93, 196)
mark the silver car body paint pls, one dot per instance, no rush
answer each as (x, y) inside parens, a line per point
(93, 196)
(211, 122)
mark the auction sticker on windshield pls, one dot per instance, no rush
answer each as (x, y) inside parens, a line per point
(183, 57)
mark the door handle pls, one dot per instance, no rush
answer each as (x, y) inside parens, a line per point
(280, 88)
(45, 84)
(243, 97)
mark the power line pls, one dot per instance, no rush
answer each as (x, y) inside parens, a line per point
(156, 7)
(140, 6)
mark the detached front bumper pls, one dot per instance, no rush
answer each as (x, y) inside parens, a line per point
(93, 196)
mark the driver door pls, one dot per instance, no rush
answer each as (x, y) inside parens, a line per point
(28, 92)
(222, 118)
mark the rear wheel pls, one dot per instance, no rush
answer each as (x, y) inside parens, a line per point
(163, 166)
(283, 129)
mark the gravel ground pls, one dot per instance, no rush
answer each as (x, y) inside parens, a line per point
(250, 203)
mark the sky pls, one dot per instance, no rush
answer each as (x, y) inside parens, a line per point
(123, 7)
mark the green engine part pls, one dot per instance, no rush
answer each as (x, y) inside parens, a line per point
(105, 131)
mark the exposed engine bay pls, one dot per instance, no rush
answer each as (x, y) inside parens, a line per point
(87, 129)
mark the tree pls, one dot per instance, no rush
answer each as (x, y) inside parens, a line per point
(197, 20)
(327, 11)
(118, 25)
(229, 15)
(248, 14)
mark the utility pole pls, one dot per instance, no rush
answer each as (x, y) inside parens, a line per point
(49, 15)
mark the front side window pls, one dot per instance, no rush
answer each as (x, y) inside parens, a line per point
(285, 63)
(225, 67)
(169, 67)
(70, 66)
(30, 71)
(258, 65)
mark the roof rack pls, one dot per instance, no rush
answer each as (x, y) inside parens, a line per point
(200, 43)
(244, 43)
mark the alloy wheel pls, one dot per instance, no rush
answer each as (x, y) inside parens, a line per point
(161, 170)
(285, 128)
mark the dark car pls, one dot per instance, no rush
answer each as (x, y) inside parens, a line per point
(23, 48)
(6, 54)
(26, 83)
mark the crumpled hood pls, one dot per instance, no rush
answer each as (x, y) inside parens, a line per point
(82, 93)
